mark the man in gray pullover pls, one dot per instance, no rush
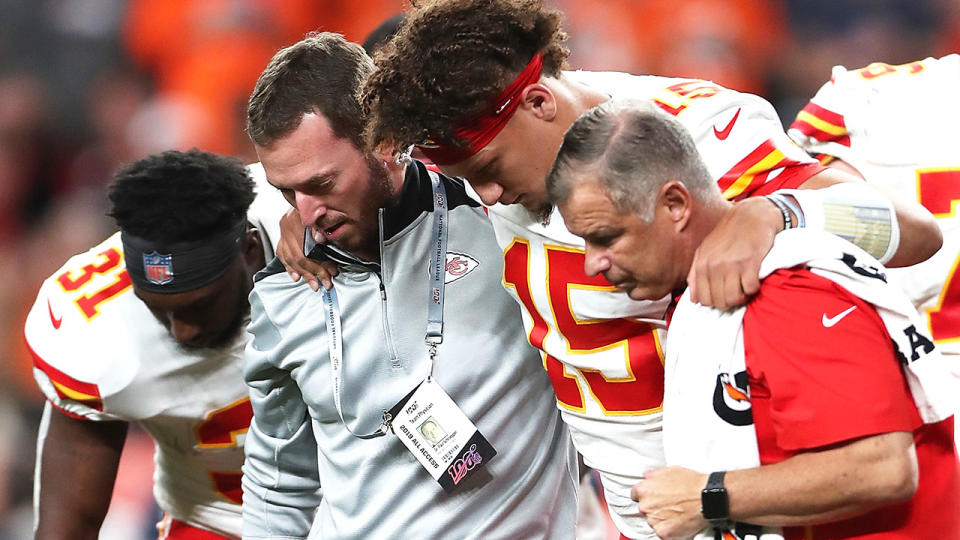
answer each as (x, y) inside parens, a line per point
(408, 391)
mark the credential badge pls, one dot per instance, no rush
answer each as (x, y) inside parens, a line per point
(158, 268)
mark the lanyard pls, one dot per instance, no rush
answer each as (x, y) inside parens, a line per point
(438, 264)
(434, 335)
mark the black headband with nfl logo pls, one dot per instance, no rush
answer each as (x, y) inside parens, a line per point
(181, 266)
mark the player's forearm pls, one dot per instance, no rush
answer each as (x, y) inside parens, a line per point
(826, 485)
(51, 528)
(918, 236)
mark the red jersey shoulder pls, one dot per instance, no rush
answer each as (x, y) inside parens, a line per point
(805, 311)
(822, 356)
(799, 291)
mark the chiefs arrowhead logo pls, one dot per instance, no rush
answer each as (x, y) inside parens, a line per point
(458, 265)
(53, 319)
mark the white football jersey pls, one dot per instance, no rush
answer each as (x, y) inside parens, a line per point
(893, 123)
(603, 350)
(99, 354)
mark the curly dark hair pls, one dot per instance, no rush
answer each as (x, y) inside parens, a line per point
(322, 72)
(379, 36)
(180, 196)
(449, 59)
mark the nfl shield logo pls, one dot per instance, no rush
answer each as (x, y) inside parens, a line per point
(158, 268)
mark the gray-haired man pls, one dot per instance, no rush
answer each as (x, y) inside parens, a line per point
(768, 405)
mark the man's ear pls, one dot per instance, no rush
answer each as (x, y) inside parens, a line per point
(252, 248)
(385, 153)
(675, 199)
(540, 101)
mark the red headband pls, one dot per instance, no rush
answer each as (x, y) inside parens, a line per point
(481, 130)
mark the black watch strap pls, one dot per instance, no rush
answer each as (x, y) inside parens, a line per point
(714, 503)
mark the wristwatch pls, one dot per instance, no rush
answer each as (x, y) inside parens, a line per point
(714, 503)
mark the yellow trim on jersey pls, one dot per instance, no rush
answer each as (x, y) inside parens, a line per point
(216, 485)
(526, 268)
(233, 434)
(553, 312)
(821, 124)
(826, 159)
(576, 381)
(630, 377)
(954, 203)
(577, 377)
(73, 394)
(524, 312)
(943, 293)
(764, 165)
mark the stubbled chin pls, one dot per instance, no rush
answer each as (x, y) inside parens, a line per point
(541, 212)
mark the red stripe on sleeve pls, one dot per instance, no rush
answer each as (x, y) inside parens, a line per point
(826, 115)
(832, 127)
(61, 410)
(744, 165)
(822, 136)
(790, 178)
(751, 176)
(66, 386)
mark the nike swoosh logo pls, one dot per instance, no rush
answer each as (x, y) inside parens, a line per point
(725, 132)
(830, 321)
(56, 322)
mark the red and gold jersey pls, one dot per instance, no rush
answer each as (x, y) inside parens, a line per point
(602, 350)
(100, 355)
(891, 123)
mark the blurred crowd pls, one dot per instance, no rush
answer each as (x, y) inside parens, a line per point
(86, 85)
